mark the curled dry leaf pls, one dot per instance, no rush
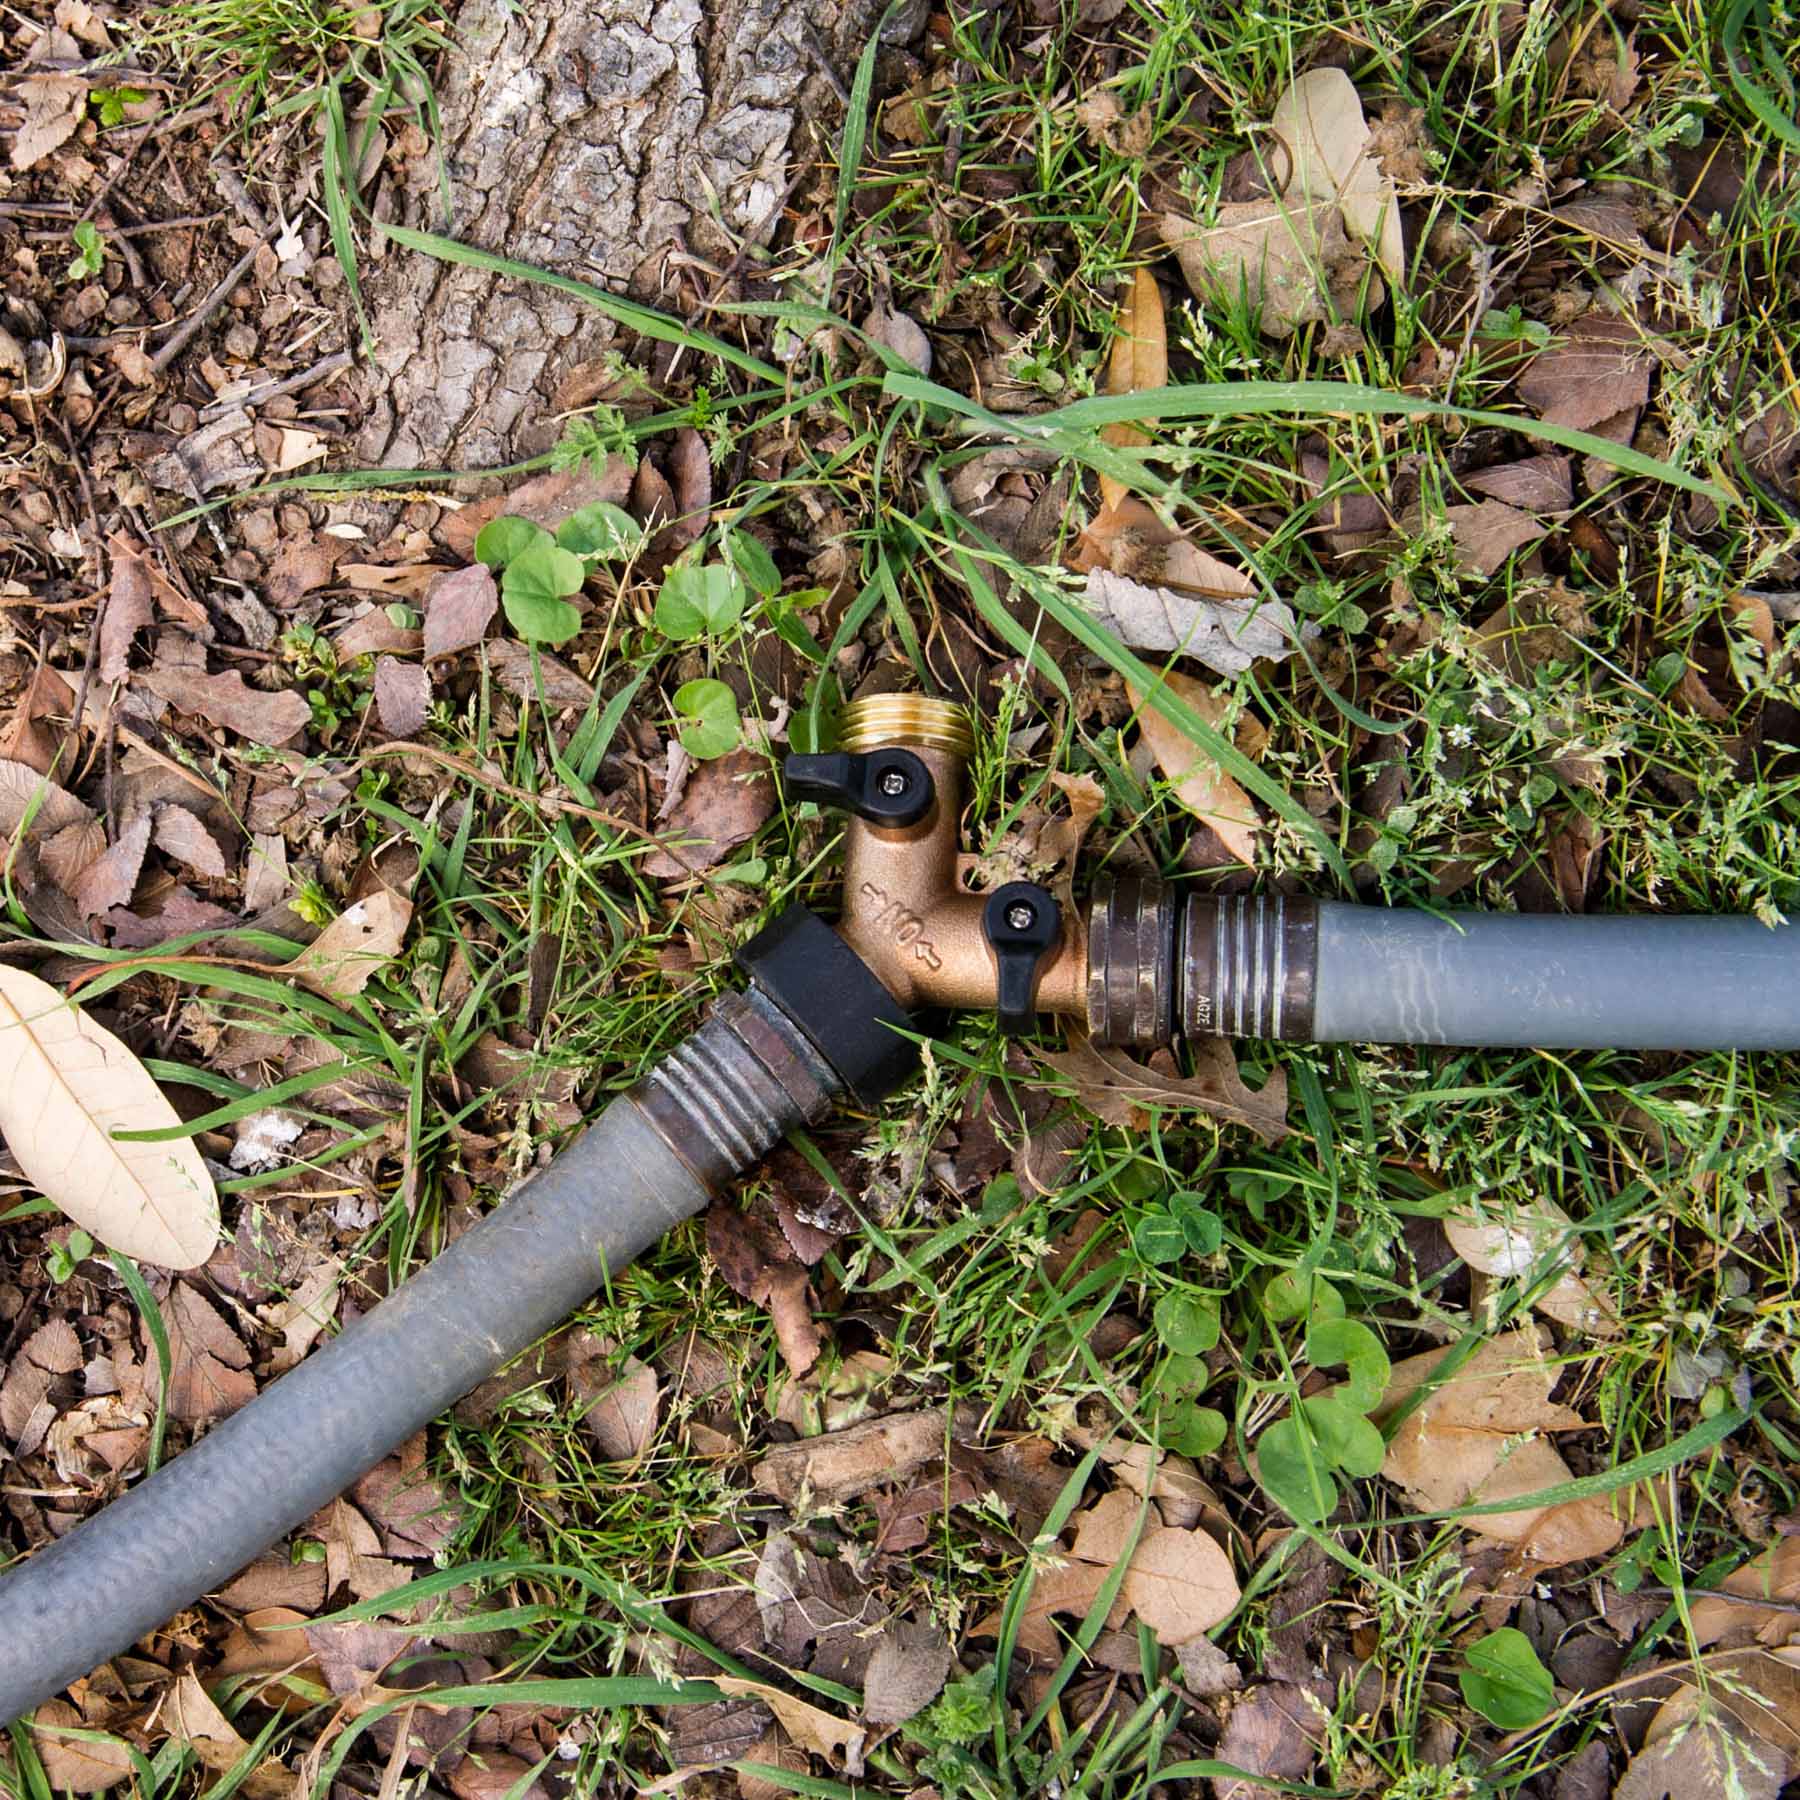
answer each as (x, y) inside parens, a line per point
(843, 1464)
(194, 1720)
(1139, 364)
(1117, 1089)
(837, 1740)
(1320, 122)
(619, 1410)
(1529, 1241)
(66, 1085)
(1199, 783)
(1774, 1577)
(1227, 635)
(347, 955)
(1482, 1437)
(24, 792)
(209, 1368)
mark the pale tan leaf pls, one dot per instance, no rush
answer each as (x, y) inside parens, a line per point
(193, 1719)
(1180, 1583)
(1320, 121)
(1528, 1241)
(347, 955)
(1482, 1438)
(1289, 259)
(66, 1084)
(1227, 635)
(1139, 363)
(620, 1412)
(54, 107)
(1105, 1528)
(843, 1464)
(1694, 1750)
(1773, 1576)
(1200, 784)
(837, 1740)
(79, 1765)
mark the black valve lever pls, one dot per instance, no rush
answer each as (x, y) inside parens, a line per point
(885, 787)
(1022, 924)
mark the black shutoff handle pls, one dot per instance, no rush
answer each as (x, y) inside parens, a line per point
(1022, 924)
(885, 787)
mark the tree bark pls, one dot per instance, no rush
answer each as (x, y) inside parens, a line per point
(591, 138)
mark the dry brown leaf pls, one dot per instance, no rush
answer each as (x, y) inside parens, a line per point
(1139, 364)
(797, 1332)
(347, 955)
(209, 1368)
(726, 802)
(619, 1411)
(1773, 1576)
(1481, 1438)
(837, 1740)
(50, 1351)
(22, 789)
(1226, 635)
(1103, 1530)
(402, 695)
(1071, 1587)
(46, 696)
(54, 107)
(405, 579)
(1691, 1753)
(227, 700)
(907, 1672)
(458, 610)
(1536, 483)
(1199, 783)
(690, 472)
(1275, 1729)
(265, 871)
(111, 878)
(66, 1084)
(519, 668)
(1599, 371)
(181, 835)
(1319, 121)
(67, 855)
(77, 1764)
(1117, 1089)
(843, 1464)
(1488, 533)
(545, 500)
(194, 1720)
(1180, 1583)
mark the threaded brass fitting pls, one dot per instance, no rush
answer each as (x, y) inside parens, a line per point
(911, 719)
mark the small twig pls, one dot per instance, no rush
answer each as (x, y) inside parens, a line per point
(288, 384)
(207, 307)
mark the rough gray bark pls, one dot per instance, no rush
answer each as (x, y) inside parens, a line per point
(589, 137)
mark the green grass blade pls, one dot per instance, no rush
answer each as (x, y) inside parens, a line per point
(644, 320)
(139, 1290)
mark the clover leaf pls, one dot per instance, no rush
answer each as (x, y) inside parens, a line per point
(710, 724)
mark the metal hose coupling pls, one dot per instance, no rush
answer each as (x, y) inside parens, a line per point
(1162, 963)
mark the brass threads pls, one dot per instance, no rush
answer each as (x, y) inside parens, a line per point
(912, 719)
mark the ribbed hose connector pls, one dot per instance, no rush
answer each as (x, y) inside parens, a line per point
(1161, 963)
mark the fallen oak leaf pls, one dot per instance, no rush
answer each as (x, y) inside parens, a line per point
(1115, 1087)
(66, 1086)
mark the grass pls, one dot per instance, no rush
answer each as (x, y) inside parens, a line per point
(1674, 1169)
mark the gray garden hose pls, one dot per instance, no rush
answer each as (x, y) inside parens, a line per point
(651, 1159)
(1648, 983)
